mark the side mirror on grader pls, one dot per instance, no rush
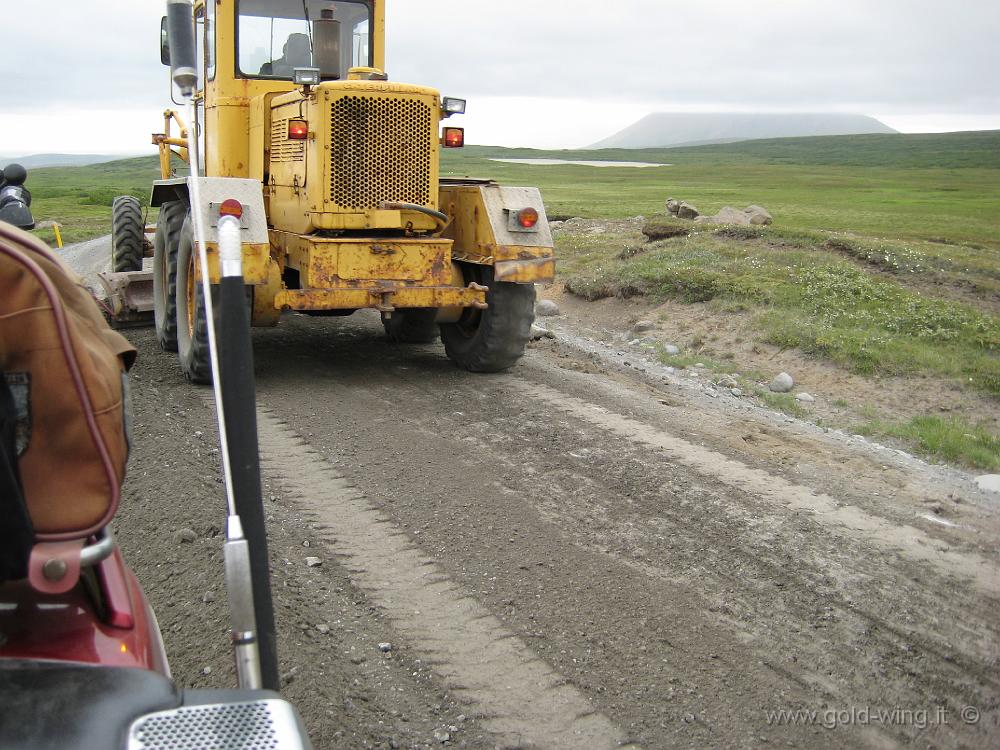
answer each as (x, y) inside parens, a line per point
(346, 208)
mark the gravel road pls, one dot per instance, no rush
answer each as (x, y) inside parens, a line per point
(583, 552)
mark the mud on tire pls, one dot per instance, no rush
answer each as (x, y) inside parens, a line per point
(165, 243)
(192, 323)
(493, 339)
(126, 234)
(415, 325)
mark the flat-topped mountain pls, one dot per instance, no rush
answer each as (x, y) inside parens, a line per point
(662, 129)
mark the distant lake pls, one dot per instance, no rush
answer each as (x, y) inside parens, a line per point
(553, 162)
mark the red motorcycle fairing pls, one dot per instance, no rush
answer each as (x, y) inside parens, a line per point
(113, 627)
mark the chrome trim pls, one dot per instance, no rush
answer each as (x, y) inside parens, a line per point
(101, 550)
(269, 724)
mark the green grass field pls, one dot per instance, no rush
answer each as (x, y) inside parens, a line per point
(884, 256)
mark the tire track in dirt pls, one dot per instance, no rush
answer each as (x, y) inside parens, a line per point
(907, 540)
(521, 699)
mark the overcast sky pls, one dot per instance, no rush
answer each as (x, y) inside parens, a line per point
(84, 77)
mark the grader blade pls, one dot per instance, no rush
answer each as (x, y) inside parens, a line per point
(129, 297)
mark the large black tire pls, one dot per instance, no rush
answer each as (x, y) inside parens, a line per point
(414, 325)
(192, 323)
(126, 234)
(165, 242)
(493, 339)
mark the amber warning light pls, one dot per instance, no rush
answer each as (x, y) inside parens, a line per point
(298, 130)
(454, 137)
(527, 217)
(231, 207)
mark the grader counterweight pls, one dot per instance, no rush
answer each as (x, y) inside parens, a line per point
(344, 207)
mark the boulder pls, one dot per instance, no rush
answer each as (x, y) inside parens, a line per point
(687, 211)
(728, 215)
(673, 205)
(782, 383)
(758, 215)
(546, 308)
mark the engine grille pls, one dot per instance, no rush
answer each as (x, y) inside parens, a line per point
(283, 149)
(380, 150)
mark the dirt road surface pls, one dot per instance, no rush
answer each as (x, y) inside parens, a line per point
(583, 552)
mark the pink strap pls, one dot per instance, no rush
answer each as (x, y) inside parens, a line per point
(54, 567)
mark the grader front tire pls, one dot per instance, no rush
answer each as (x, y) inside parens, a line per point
(192, 322)
(165, 244)
(493, 339)
(126, 234)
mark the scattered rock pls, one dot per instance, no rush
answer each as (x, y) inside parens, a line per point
(185, 536)
(736, 392)
(546, 308)
(289, 676)
(728, 381)
(313, 562)
(805, 397)
(555, 224)
(700, 365)
(687, 211)
(643, 325)
(206, 671)
(537, 332)
(208, 597)
(989, 482)
(671, 349)
(782, 383)
(323, 628)
(759, 216)
(385, 647)
(441, 735)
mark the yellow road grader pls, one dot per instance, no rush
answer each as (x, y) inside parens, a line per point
(342, 206)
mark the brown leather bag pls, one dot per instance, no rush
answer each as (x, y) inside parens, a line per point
(66, 370)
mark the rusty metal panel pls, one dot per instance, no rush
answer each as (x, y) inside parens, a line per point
(480, 215)
(381, 298)
(391, 260)
(326, 263)
(525, 271)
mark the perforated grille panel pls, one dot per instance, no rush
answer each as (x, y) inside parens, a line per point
(283, 149)
(224, 726)
(380, 150)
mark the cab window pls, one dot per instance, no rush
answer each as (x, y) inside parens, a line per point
(276, 36)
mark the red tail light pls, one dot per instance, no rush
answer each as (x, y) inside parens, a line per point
(298, 130)
(527, 217)
(454, 137)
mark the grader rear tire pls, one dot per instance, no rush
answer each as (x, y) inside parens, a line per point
(415, 325)
(165, 242)
(126, 234)
(192, 323)
(493, 339)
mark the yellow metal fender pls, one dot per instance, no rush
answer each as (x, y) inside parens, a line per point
(484, 229)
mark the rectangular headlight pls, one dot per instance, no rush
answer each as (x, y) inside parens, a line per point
(454, 106)
(306, 76)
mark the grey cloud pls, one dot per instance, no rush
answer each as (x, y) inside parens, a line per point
(889, 55)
